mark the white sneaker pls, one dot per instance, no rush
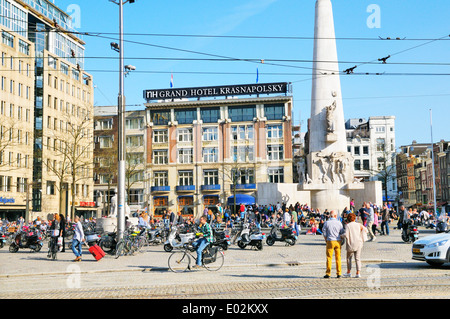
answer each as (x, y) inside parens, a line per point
(346, 275)
(358, 276)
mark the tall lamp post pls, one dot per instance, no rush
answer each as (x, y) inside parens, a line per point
(121, 127)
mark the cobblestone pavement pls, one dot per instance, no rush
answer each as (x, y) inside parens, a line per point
(275, 272)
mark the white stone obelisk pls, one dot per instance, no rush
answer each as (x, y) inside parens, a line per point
(330, 166)
(326, 135)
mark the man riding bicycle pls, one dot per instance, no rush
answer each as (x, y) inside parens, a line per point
(206, 237)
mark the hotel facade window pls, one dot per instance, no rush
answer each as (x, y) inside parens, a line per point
(210, 154)
(185, 116)
(211, 177)
(275, 131)
(160, 178)
(184, 135)
(210, 134)
(185, 178)
(185, 156)
(160, 117)
(210, 115)
(160, 136)
(242, 132)
(274, 111)
(160, 157)
(242, 113)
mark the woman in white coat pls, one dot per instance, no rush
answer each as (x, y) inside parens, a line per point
(355, 235)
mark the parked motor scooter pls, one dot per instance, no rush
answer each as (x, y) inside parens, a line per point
(92, 238)
(222, 239)
(108, 242)
(250, 237)
(441, 227)
(177, 239)
(155, 236)
(31, 239)
(411, 233)
(2, 240)
(287, 235)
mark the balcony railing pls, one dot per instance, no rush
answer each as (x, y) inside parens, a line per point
(243, 187)
(185, 188)
(212, 187)
(160, 189)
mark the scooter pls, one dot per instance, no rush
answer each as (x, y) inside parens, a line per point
(155, 236)
(411, 234)
(250, 237)
(177, 239)
(26, 239)
(441, 227)
(92, 238)
(221, 239)
(2, 240)
(287, 235)
(108, 242)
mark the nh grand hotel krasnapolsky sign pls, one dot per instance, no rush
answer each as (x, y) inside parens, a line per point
(211, 91)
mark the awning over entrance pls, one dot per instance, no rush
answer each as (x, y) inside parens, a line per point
(241, 199)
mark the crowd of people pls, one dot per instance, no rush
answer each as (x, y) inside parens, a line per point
(352, 225)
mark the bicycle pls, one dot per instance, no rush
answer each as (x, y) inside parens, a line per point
(53, 247)
(213, 258)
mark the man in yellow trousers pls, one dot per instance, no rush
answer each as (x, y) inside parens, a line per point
(332, 231)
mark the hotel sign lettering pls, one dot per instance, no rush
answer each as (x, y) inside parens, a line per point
(210, 91)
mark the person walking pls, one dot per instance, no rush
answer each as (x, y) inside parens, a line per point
(354, 240)
(370, 221)
(55, 231)
(332, 231)
(78, 239)
(62, 227)
(385, 218)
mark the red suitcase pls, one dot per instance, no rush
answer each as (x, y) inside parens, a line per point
(97, 252)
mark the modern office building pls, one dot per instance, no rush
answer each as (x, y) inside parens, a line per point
(16, 117)
(59, 100)
(201, 152)
(372, 144)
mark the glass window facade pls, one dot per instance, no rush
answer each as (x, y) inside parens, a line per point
(242, 113)
(274, 111)
(14, 18)
(185, 116)
(160, 117)
(210, 115)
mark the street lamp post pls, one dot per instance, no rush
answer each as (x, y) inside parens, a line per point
(121, 128)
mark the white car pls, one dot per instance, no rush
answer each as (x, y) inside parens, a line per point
(434, 249)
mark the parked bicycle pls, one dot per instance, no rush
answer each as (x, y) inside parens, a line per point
(213, 258)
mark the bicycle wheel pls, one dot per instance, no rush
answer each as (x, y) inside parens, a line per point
(179, 261)
(218, 263)
(142, 244)
(119, 249)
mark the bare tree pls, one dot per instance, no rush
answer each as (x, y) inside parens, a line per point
(73, 154)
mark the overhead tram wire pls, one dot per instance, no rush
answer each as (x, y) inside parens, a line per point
(235, 60)
(370, 62)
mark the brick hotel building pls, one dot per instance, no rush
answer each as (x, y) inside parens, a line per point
(201, 152)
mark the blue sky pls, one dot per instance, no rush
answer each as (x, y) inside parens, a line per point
(408, 97)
